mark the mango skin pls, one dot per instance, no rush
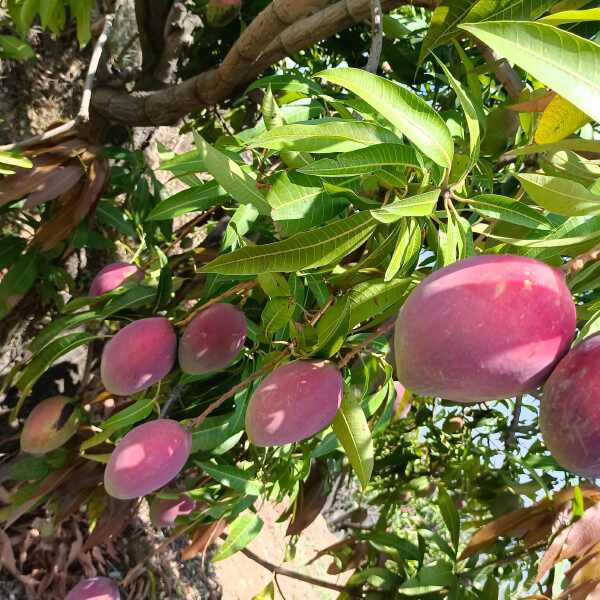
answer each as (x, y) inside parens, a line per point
(294, 402)
(569, 417)
(212, 340)
(164, 512)
(147, 458)
(138, 356)
(112, 276)
(49, 425)
(95, 588)
(484, 328)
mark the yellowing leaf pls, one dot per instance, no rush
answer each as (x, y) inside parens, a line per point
(559, 120)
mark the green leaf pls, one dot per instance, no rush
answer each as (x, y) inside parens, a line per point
(232, 178)
(325, 136)
(561, 60)
(16, 49)
(81, 12)
(44, 359)
(231, 477)
(133, 297)
(406, 253)
(364, 161)
(447, 15)
(241, 532)
(560, 196)
(311, 249)
(507, 10)
(299, 203)
(267, 593)
(184, 164)
(509, 210)
(470, 115)
(376, 297)
(421, 205)
(450, 516)
(212, 433)
(18, 281)
(332, 328)
(15, 159)
(274, 285)
(402, 108)
(11, 247)
(572, 16)
(28, 12)
(287, 83)
(352, 430)
(276, 314)
(431, 578)
(198, 198)
(576, 144)
(138, 411)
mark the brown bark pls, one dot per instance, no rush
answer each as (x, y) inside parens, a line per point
(282, 28)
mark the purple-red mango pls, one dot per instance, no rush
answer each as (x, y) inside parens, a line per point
(49, 425)
(147, 458)
(138, 356)
(114, 275)
(212, 340)
(164, 512)
(569, 416)
(294, 402)
(96, 588)
(484, 328)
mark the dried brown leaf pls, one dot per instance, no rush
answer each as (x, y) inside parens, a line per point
(26, 181)
(573, 541)
(589, 590)
(13, 512)
(74, 207)
(534, 105)
(112, 522)
(331, 550)
(57, 183)
(203, 537)
(8, 561)
(311, 500)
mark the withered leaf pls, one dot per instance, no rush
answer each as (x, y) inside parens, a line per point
(74, 207)
(533, 105)
(203, 537)
(56, 183)
(311, 499)
(112, 522)
(575, 540)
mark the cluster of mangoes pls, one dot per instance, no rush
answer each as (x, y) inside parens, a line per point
(485, 328)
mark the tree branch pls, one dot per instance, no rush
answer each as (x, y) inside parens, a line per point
(84, 110)
(377, 37)
(505, 74)
(576, 264)
(294, 574)
(282, 28)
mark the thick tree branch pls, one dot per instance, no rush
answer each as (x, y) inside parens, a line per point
(377, 37)
(505, 74)
(151, 17)
(282, 28)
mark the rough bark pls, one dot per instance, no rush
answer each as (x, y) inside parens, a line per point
(282, 28)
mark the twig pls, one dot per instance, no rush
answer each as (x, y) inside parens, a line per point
(576, 264)
(84, 110)
(175, 395)
(514, 424)
(42, 137)
(293, 574)
(381, 330)
(197, 421)
(240, 287)
(377, 37)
